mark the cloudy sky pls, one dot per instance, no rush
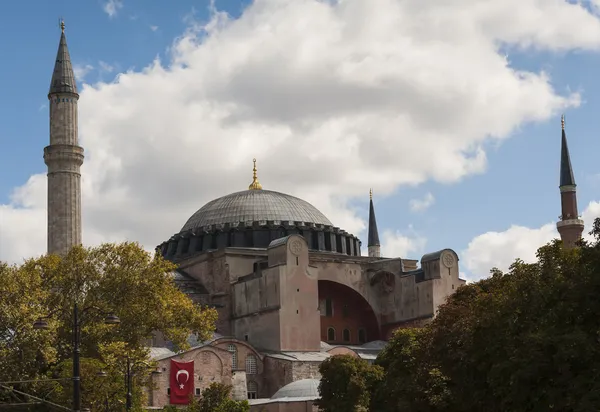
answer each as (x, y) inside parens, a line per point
(449, 110)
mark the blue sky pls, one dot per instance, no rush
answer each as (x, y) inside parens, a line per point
(517, 187)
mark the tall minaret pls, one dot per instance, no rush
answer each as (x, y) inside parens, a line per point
(63, 156)
(374, 247)
(570, 226)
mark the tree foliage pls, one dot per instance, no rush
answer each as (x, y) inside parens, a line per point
(120, 279)
(215, 398)
(527, 340)
(347, 383)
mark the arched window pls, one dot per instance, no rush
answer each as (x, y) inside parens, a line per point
(346, 335)
(330, 334)
(362, 336)
(251, 365)
(252, 390)
(233, 350)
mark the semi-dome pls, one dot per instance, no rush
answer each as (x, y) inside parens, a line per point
(255, 206)
(304, 388)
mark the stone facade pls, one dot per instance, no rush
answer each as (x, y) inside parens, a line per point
(296, 307)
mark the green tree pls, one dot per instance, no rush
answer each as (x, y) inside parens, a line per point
(524, 340)
(122, 279)
(215, 398)
(528, 339)
(411, 381)
(347, 383)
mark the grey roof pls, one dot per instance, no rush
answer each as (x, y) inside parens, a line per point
(304, 388)
(566, 170)
(63, 78)
(375, 344)
(436, 255)
(158, 353)
(373, 233)
(255, 206)
(265, 401)
(300, 356)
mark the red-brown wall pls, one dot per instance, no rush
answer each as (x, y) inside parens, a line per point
(350, 311)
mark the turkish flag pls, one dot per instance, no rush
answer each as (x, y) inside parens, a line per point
(181, 382)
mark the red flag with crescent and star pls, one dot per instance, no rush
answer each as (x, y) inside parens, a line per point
(181, 382)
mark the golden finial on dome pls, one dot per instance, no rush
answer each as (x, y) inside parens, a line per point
(371, 194)
(255, 185)
(562, 122)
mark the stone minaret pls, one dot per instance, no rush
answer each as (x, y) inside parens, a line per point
(63, 156)
(374, 247)
(570, 226)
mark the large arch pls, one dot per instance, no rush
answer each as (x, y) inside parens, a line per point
(346, 316)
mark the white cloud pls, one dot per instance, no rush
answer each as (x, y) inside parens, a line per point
(153, 28)
(112, 7)
(420, 205)
(105, 67)
(397, 244)
(500, 249)
(82, 70)
(318, 92)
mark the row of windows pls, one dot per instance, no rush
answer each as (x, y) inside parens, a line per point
(328, 310)
(251, 368)
(250, 237)
(346, 336)
(65, 100)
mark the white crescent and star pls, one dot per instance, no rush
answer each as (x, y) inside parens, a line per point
(187, 377)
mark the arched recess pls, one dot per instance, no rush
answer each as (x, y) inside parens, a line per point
(343, 308)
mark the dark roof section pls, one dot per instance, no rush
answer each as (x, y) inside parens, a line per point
(255, 206)
(566, 171)
(373, 233)
(436, 255)
(63, 78)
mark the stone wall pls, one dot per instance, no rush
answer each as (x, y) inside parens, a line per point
(212, 363)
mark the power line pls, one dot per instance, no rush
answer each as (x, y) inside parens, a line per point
(35, 398)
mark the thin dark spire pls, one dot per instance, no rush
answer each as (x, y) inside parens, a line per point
(566, 170)
(373, 233)
(63, 78)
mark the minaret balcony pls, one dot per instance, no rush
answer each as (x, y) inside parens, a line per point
(569, 222)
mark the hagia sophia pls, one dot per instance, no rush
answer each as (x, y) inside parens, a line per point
(291, 289)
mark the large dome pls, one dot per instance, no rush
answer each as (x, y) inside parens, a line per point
(255, 206)
(253, 219)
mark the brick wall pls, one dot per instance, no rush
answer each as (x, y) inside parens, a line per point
(349, 311)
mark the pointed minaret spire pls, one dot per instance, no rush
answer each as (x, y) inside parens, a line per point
(570, 226)
(63, 156)
(374, 247)
(566, 170)
(63, 77)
